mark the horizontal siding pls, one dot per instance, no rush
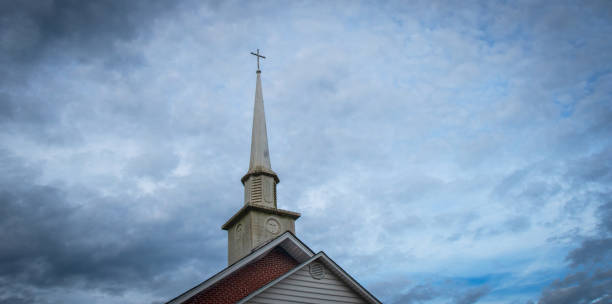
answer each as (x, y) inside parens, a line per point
(301, 287)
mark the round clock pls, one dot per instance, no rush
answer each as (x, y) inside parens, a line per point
(273, 226)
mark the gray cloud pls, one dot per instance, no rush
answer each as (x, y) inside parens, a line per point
(580, 287)
(418, 294)
(25, 110)
(592, 251)
(81, 30)
(155, 164)
(513, 225)
(593, 280)
(584, 182)
(472, 295)
(452, 290)
(50, 240)
(426, 133)
(38, 39)
(18, 299)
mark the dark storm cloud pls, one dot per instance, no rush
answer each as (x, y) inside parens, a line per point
(21, 299)
(52, 33)
(49, 240)
(75, 236)
(592, 251)
(449, 289)
(418, 294)
(591, 281)
(597, 251)
(472, 296)
(24, 110)
(82, 30)
(37, 117)
(605, 213)
(580, 287)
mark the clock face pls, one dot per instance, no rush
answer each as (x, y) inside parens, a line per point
(273, 226)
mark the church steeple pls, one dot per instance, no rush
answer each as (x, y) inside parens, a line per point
(259, 220)
(259, 181)
(260, 155)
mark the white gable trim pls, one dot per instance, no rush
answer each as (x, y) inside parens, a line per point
(287, 241)
(322, 257)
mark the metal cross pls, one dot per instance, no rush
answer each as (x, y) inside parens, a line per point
(258, 56)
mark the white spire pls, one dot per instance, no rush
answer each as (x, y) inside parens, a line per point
(260, 155)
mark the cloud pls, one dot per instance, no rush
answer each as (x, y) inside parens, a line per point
(580, 287)
(452, 290)
(592, 251)
(592, 281)
(473, 295)
(418, 294)
(582, 185)
(34, 29)
(155, 164)
(51, 240)
(427, 141)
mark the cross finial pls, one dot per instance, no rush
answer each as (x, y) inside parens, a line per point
(258, 56)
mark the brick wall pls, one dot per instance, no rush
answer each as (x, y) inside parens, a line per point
(246, 280)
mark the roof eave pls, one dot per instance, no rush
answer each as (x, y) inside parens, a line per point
(246, 208)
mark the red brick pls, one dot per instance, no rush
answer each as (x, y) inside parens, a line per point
(246, 280)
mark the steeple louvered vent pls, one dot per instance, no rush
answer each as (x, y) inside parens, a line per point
(256, 189)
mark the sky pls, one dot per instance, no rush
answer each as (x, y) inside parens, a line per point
(440, 152)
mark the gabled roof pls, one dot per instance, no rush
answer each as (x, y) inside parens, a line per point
(337, 270)
(288, 241)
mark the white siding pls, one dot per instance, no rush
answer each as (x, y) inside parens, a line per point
(300, 287)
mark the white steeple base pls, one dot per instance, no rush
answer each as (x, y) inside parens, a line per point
(253, 226)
